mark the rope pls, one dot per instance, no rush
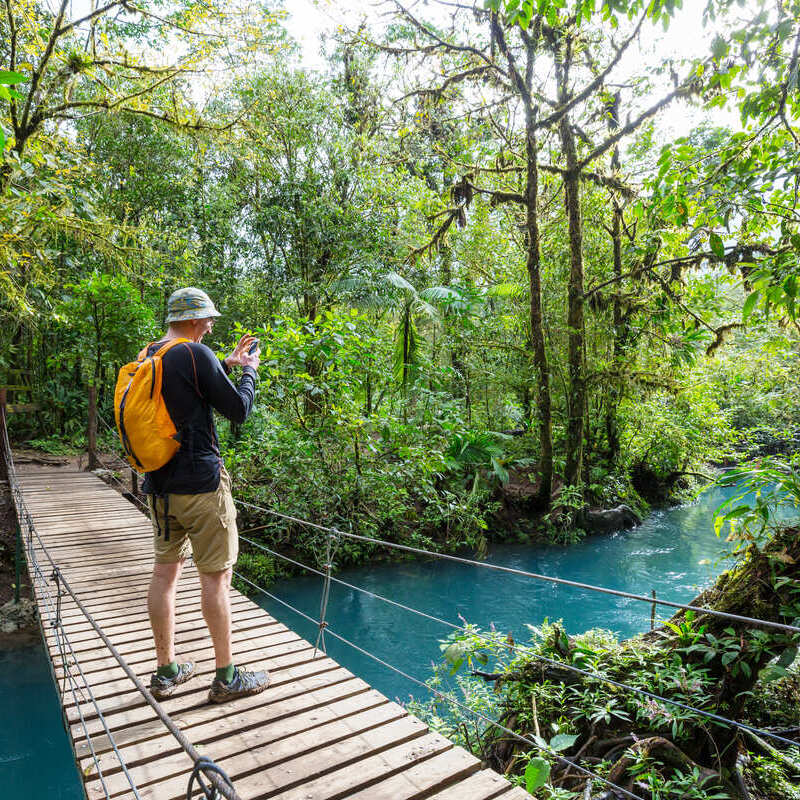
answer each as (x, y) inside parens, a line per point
(527, 652)
(210, 792)
(536, 576)
(444, 696)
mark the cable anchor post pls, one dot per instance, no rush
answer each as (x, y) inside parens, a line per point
(326, 590)
(56, 578)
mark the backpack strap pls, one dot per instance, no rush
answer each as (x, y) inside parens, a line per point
(169, 345)
(194, 368)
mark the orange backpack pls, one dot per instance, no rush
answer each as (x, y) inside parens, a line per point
(145, 427)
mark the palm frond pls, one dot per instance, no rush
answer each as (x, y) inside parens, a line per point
(399, 282)
(441, 294)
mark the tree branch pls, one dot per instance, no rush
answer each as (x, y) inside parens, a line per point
(98, 12)
(441, 42)
(634, 124)
(37, 73)
(556, 116)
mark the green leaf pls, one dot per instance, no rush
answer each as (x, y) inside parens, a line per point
(454, 654)
(772, 672)
(536, 774)
(749, 305)
(563, 741)
(717, 245)
(10, 78)
(787, 657)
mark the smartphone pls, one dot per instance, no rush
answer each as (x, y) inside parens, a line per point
(253, 347)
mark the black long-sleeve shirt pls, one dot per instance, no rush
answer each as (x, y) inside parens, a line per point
(191, 389)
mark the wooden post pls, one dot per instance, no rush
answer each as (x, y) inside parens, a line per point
(134, 482)
(92, 429)
(653, 613)
(3, 421)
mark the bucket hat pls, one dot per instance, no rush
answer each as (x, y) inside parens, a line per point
(190, 303)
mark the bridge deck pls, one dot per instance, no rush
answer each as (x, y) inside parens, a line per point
(318, 732)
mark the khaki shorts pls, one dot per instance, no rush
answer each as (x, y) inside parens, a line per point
(203, 524)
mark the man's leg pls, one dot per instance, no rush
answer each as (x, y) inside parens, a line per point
(216, 604)
(161, 607)
(230, 681)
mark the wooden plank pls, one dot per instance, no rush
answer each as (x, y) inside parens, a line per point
(246, 646)
(245, 620)
(516, 793)
(195, 689)
(338, 716)
(246, 650)
(21, 408)
(288, 645)
(148, 737)
(483, 785)
(351, 765)
(195, 697)
(136, 623)
(304, 764)
(423, 777)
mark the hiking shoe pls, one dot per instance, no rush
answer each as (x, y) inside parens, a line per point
(244, 683)
(161, 687)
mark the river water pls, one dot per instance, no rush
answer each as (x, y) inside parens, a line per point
(674, 552)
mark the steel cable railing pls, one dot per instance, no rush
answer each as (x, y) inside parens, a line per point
(448, 698)
(110, 470)
(220, 782)
(528, 653)
(53, 610)
(758, 623)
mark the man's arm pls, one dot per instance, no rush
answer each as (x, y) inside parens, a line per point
(233, 402)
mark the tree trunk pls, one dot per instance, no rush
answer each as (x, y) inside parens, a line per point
(311, 404)
(614, 394)
(537, 340)
(562, 46)
(576, 402)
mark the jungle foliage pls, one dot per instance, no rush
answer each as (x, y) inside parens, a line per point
(492, 283)
(563, 695)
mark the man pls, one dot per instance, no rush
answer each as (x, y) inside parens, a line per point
(190, 499)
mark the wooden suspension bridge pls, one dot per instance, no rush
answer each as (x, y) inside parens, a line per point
(318, 732)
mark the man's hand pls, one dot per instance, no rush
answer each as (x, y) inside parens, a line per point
(241, 356)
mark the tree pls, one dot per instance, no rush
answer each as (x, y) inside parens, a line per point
(107, 325)
(501, 51)
(97, 62)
